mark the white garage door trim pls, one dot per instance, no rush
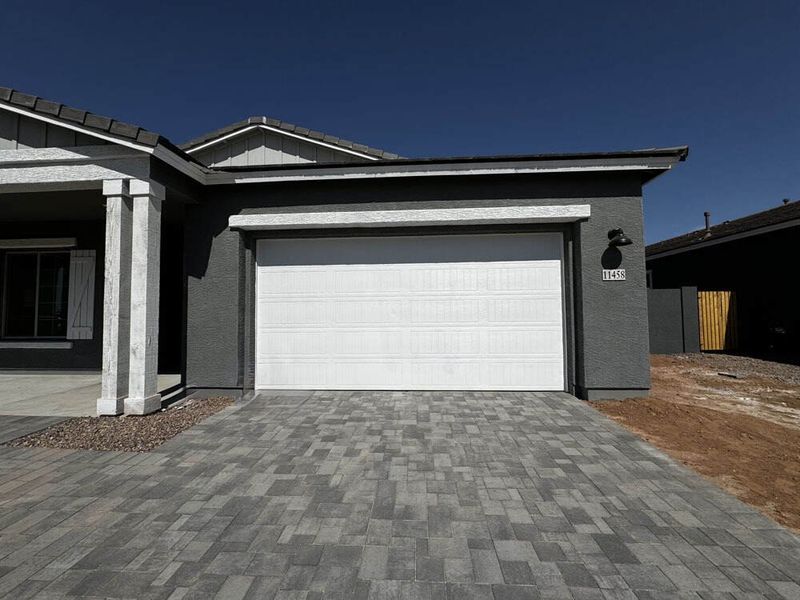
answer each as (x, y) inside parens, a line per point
(394, 214)
(444, 312)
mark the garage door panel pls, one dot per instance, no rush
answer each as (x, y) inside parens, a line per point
(530, 278)
(530, 309)
(417, 324)
(287, 343)
(440, 374)
(537, 342)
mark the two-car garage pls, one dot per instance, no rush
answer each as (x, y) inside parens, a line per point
(434, 312)
(481, 273)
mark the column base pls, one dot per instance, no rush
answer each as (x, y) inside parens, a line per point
(110, 406)
(142, 406)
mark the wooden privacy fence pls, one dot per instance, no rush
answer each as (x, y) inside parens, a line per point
(718, 325)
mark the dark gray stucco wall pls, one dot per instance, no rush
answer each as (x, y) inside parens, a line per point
(613, 329)
(674, 320)
(609, 319)
(84, 354)
(214, 300)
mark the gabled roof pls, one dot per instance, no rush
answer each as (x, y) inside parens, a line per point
(750, 225)
(650, 162)
(312, 136)
(77, 116)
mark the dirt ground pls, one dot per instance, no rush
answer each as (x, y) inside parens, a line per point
(125, 433)
(734, 419)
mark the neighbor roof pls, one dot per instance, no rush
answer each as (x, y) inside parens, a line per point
(311, 135)
(750, 224)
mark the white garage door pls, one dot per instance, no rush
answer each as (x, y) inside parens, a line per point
(457, 312)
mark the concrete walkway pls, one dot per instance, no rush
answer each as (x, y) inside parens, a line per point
(62, 393)
(12, 427)
(370, 495)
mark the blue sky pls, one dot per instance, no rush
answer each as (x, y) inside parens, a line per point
(428, 78)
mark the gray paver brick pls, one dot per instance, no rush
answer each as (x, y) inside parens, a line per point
(385, 495)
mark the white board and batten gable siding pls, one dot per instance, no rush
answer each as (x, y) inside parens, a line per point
(18, 132)
(261, 147)
(80, 306)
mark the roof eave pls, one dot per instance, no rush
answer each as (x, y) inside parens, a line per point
(648, 162)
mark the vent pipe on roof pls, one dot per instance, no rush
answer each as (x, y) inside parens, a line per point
(786, 201)
(707, 215)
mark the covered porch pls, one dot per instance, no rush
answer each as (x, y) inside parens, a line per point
(63, 393)
(92, 282)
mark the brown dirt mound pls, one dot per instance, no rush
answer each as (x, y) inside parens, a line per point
(740, 446)
(123, 434)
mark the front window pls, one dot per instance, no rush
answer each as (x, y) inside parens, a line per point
(35, 294)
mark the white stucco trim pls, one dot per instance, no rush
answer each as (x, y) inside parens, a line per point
(279, 131)
(71, 155)
(80, 165)
(311, 217)
(29, 243)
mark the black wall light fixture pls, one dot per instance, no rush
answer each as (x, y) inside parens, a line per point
(617, 237)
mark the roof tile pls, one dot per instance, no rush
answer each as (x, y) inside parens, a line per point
(147, 137)
(98, 122)
(26, 100)
(47, 107)
(72, 114)
(124, 130)
(5, 93)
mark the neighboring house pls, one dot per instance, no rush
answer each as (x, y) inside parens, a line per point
(268, 256)
(751, 260)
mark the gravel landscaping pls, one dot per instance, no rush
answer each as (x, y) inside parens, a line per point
(124, 433)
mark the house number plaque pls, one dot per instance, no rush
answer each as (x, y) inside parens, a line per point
(613, 274)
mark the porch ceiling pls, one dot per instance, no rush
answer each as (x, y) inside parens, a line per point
(67, 206)
(84, 205)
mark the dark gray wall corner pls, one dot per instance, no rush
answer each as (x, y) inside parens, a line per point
(214, 302)
(614, 341)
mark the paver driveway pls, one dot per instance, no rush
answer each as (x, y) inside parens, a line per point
(385, 495)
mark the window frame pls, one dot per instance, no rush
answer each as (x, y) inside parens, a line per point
(38, 253)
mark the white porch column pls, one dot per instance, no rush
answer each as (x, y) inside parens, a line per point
(143, 396)
(116, 298)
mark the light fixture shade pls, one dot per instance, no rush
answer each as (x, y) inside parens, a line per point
(617, 237)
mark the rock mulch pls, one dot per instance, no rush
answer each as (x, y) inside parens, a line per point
(125, 433)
